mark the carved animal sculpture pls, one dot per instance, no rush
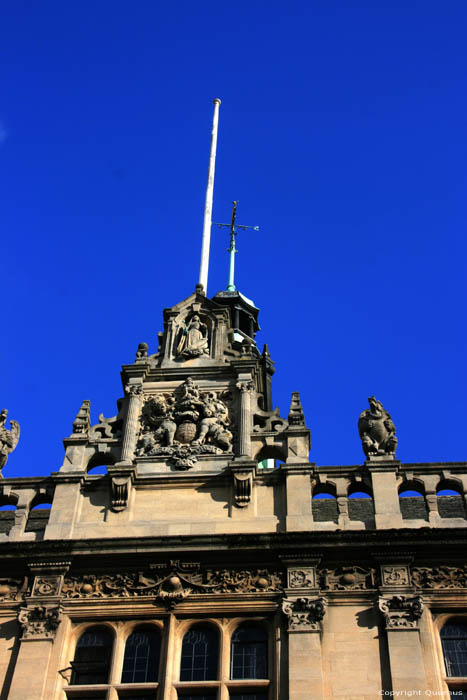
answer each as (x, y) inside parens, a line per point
(8, 438)
(376, 430)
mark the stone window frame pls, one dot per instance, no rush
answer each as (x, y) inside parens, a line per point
(450, 682)
(172, 631)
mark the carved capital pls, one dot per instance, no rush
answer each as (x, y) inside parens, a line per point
(40, 622)
(400, 611)
(134, 390)
(245, 386)
(304, 614)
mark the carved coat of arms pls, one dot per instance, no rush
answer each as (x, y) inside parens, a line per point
(185, 424)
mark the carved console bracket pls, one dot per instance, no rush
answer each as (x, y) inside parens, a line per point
(39, 622)
(120, 488)
(243, 485)
(400, 611)
(304, 614)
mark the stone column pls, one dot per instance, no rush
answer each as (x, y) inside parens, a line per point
(245, 388)
(134, 392)
(401, 614)
(304, 616)
(39, 620)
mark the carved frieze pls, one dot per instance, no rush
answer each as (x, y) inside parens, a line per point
(301, 578)
(171, 583)
(11, 588)
(40, 622)
(348, 578)
(46, 586)
(439, 577)
(304, 614)
(185, 425)
(395, 575)
(400, 611)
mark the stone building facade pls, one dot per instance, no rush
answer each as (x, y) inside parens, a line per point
(213, 559)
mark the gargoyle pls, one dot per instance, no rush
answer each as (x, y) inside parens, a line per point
(8, 438)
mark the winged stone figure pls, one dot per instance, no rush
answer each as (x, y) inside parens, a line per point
(8, 438)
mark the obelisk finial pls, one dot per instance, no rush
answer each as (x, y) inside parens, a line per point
(203, 270)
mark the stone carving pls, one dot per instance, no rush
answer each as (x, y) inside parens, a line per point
(46, 586)
(172, 582)
(142, 351)
(107, 428)
(184, 425)
(296, 415)
(377, 431)
(348, 578)
(82, 421)
(400, 611)
(134, 389)
(40, 622)
(394, 576)
(242, 488)
(119, 488)
(11, 588)
(194, 340)
(439, 577)
(268, 421)
(304, 614)
(301, 578)
(8, 438)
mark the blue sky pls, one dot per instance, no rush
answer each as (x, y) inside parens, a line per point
(343, 136)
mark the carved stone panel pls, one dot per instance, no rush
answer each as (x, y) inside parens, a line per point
(400, 611)
(301, 578)
(46, 586)
(185, 424)
(40, 622)
(11, 588)
(348, 578)
(395, 575)
(304, 614)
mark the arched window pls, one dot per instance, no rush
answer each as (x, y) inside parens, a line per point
(91, 664)
(249, 652)
(454, 641)
(142, 655)
(200, 650)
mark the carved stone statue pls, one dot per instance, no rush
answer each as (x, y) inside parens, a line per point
(214, 423)
(377, 431)
(8, 438)
(194, 340)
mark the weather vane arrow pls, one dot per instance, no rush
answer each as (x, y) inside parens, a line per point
(234, 228)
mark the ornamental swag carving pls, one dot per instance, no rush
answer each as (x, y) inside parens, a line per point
(185, 424)
(439, 577)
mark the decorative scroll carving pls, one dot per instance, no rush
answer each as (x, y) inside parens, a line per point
(301, 578)
(242, 488)
(400, 611)
(46, 586)
(439, 577)
(119, 490)
(268, 421)
(40, 622)
(184, 425)
(348, 578)
(296, 415)
(82, 421)
(8, 438)
(377, 431)
(172, 582)
(304, 614)
(193, 339)
(107, 428)
(11, 588)
(142, 351)
(395, 575)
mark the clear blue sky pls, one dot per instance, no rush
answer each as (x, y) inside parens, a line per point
(343, 136)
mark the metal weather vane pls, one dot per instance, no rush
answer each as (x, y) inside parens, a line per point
(234, 228)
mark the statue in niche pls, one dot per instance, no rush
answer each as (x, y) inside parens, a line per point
(194, 340)
(377, 431)
(8, 438)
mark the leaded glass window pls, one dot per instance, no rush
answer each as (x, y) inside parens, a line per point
(91, 664)
(142, 654)
(454, 641)
(200, 650)
(249, 652)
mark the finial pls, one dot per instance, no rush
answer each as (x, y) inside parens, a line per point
(232, 250)
(296, 415)
(83, 419)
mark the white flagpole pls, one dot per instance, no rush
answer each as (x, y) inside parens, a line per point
(203, 270)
